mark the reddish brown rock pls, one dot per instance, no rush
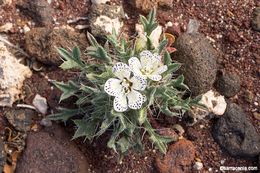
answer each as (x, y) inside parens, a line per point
(42, 43)
(178, 159)
(167, 132)
(52, 151)
(147, 5)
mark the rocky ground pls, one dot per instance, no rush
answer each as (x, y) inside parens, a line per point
(224, 54)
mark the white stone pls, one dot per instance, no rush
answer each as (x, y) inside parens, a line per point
(12, 75)
(108, 24)
(6, 27)
(45, 122)
(193, 26)
(214, 102)
(198, 166)
(99, 1)
(40, 103)
(168, 24)
(26, 29)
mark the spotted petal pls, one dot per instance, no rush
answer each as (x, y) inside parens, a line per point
(135, 65)
(139, 83)
(135, 100)
(155, 77)
(120, 103)
(158, 57)
(121, 70)
(148, 60)
(160, 70)
(113, 87)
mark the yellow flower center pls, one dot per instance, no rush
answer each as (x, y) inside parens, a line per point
(127, 85)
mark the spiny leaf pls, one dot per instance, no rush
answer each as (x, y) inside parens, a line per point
(167, 58)
(105, 125)
(178, 83)
(167, 111)
(88, 89)
(124, 144)
(68, 89)
(85, 128)
(142, 116)
(151, 95)
(70, 60)
(64, 114)
(92, 40)
(99, 53)
(162, 45)
(173, 67)
(76, 53)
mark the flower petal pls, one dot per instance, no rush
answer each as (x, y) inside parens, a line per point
(139, 83)
(135, 100)
(160, 70)
(155, 77)
(120, 103)
(113, 87)
(148, 60)
(158, 57)
(135, 65)
(121, 70)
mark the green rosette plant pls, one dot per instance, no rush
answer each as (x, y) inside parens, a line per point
(130, 79)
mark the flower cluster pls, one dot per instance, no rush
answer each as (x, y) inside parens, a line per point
(132, 79)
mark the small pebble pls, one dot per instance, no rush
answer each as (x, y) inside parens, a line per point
(222, 161)
(46, 123)
(198, 166)
(256, 115)
(40, 103)
(26, 29)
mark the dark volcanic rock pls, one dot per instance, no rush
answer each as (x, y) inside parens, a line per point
(51, 151)
(256, 19)
(39, 10)
(228, 84)
(236, 134)
(199, 61)
(21, 119)
(178, 159)
(41, 43)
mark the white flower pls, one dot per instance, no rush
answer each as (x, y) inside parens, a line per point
(149, 66)
(125, 88)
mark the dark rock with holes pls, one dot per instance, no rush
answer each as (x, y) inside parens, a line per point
(21, 119)
(236, 134)
(199, 61)
(52, 151)
(178, 159)
(39, 10)
(256, 19)
(228, 84)
(41, 43)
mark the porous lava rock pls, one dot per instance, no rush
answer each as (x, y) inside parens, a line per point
(42, 43)
(198, 58)
(236, 134)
